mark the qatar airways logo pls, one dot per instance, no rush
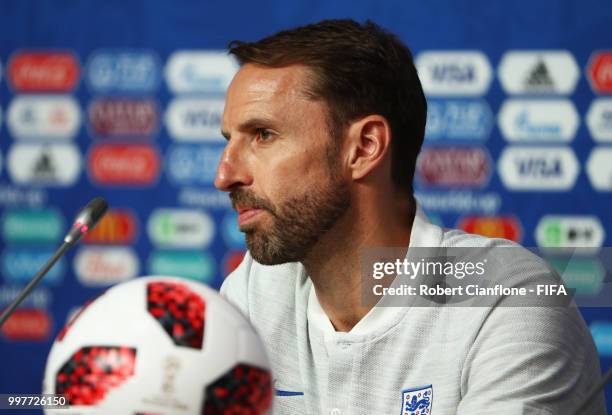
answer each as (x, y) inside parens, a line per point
(454, 166)
(125, 117)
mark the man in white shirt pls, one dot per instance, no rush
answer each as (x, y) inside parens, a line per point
(323, 126)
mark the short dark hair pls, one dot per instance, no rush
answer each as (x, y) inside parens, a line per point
(358, 69)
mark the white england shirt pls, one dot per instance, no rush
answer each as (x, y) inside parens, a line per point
(418, 360)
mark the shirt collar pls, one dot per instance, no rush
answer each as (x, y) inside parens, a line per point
(379, 319)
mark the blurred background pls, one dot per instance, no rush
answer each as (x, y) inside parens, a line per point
(123, 99)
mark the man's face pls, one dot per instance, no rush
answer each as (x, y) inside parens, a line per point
(281, 164)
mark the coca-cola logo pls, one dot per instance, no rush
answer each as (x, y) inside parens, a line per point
(123, 164)
(599, 71)
(43, 71)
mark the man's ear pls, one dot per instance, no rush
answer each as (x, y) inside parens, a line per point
(368, 141)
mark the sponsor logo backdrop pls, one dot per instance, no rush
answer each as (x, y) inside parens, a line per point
(124, 100)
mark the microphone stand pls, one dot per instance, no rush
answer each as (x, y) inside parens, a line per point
(85, 221)
(39, 276)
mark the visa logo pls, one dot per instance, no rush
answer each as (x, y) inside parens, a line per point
(453, 73)
(539, 167)
(195, 119)
(203, 118)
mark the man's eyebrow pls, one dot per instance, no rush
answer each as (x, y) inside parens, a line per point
(250, 125)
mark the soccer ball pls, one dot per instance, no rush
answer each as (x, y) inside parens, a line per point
(159, 345)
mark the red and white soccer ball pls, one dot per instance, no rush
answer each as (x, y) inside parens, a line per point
(159, 345)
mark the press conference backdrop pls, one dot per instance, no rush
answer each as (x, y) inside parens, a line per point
(123, 99)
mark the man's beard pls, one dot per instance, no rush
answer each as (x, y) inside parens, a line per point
(297, 223)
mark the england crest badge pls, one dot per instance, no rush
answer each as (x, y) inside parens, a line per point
(417, 401)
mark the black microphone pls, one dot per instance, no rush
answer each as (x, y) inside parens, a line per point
(85, 221)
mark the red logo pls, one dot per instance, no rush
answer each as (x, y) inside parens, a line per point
(28, 324)
(43, 72)
(123, 117)
(453, 166)
(506, 227)
(116, 227)
(600, 72)
(123, 164)
(231, 261)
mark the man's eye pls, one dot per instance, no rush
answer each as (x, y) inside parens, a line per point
(264, 134)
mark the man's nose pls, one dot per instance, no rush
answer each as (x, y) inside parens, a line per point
(232, 170)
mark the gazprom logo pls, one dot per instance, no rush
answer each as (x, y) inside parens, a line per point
(458, 119)
(190, 164)
(123, 71)
(200, 71)
(538, 120)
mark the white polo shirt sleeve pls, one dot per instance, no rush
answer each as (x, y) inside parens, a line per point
(524, 361)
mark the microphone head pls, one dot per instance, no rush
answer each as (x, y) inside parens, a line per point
(97, 207)
(87, 218)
